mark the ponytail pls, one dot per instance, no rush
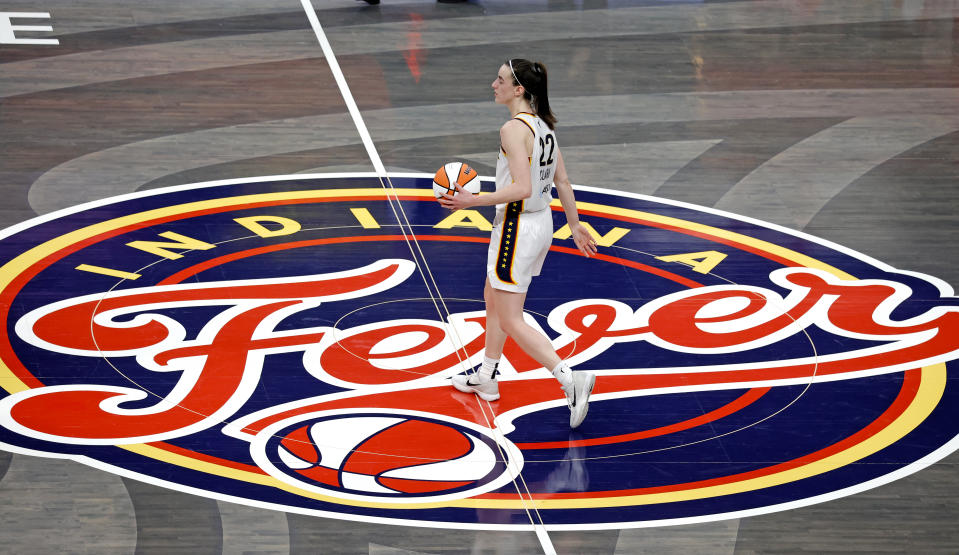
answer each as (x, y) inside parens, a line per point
(532, 77)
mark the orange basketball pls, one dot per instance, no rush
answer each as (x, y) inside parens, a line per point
(455, 172)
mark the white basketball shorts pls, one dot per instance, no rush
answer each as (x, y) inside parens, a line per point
(518, 247)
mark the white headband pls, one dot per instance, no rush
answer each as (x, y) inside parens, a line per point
(515, 78)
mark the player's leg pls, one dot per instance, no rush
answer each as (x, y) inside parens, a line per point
(577, 385)
(509, 311)
(504, 317)
(495, 336)
(483, 382)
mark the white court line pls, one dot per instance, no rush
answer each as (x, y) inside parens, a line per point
(368, 144)
(344, 88)
(539, 526)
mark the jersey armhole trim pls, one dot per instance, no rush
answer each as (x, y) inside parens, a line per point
(531, 130)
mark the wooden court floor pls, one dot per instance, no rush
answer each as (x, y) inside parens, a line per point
(839, 119)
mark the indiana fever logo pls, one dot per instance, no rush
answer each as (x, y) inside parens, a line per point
(288, 343)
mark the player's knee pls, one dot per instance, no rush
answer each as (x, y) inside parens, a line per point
(512, 326)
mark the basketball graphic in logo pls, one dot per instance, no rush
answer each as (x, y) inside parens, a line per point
(384, 456)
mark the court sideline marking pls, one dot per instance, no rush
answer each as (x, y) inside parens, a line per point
(539, 527)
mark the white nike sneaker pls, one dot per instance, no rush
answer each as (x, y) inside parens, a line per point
(577, 396)
(487, 390)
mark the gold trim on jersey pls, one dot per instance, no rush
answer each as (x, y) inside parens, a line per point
(533, 131)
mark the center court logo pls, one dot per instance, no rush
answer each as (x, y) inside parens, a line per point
(287, 343)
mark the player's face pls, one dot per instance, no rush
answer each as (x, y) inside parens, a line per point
(503, 87)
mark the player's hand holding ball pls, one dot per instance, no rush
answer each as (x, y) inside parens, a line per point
(451, 180)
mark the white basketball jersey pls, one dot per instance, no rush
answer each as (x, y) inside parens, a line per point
(542, 165)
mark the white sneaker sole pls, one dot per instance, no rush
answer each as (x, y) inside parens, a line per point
(484, 396)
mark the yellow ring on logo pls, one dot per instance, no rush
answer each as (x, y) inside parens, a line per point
(931, 388)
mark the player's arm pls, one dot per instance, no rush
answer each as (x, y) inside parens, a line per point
(513, 136)
(584, 241)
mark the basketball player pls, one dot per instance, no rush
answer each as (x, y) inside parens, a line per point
(529, 164)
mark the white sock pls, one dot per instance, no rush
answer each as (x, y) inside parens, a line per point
(488, 368)
(563, 373)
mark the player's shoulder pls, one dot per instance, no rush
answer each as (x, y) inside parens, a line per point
(514, 127)
(517, 125)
